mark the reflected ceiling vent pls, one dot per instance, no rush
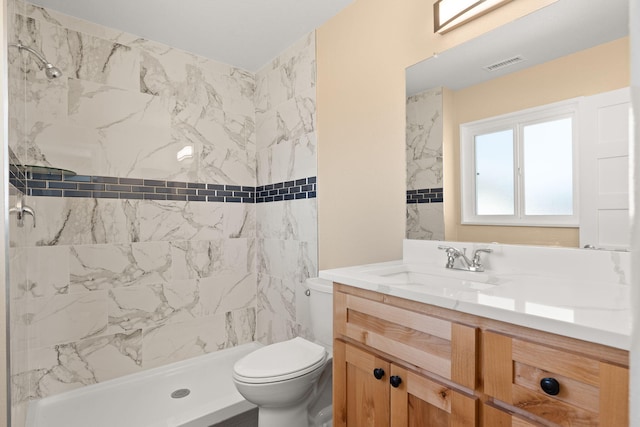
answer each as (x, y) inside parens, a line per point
(505, 63)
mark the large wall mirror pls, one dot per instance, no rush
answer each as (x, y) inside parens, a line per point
(569, 50)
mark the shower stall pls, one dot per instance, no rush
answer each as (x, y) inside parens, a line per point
(149, 174)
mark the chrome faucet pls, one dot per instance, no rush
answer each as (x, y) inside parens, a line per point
(473, 264)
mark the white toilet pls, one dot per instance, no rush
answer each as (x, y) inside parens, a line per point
(290, 381)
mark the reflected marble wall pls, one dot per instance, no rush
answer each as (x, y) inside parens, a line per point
(425, 217)
(287, 238)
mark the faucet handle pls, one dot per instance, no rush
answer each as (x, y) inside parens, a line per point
(487, 250)
(452, 253)
(476, 256)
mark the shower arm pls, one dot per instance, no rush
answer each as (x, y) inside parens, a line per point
(33, 51)
(50, 70)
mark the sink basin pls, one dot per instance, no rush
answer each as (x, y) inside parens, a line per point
(417, 275)
(425, 279)
(534, 292)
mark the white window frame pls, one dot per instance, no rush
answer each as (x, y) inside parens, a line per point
(516, 121)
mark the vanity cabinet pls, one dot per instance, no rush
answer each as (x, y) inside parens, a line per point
(399, 362)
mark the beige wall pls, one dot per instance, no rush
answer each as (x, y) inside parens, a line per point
(362, 54)
(599, 69)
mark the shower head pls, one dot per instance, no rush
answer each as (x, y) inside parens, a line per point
(50, 71)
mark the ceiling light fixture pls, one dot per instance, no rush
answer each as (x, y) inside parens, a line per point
(449, 14)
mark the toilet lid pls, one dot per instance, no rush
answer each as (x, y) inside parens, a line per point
(279, 362)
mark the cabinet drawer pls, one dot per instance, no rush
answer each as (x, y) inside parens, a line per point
(578, 390)
(439, 346)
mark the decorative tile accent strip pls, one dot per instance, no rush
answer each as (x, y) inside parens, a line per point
(304, 188)
(18, 179)
(425, 195)
(107, 187)
(17, 176)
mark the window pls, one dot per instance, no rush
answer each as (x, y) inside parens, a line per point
(519, 169)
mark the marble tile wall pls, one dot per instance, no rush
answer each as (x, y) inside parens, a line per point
(286, 150)
(425, 217)
(125, 106)
(18, 330)
(18, 263)
(117, 286)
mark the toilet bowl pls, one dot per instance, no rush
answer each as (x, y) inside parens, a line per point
(290, 381)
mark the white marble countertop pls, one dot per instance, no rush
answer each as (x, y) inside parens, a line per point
(595, 311)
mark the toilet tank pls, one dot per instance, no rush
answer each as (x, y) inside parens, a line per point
(321, 310)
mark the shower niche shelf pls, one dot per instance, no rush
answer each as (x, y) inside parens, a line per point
(42, 170)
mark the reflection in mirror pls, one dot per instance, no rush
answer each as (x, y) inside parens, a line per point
(581, 54)
(425, 220)
(507, 175)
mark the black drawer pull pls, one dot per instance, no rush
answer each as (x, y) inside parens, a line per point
(395, 381)
(378, 373)
(550, 386)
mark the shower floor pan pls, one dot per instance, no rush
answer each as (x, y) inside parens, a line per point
(197, 392)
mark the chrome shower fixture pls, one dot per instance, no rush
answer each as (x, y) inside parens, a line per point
(50, 71)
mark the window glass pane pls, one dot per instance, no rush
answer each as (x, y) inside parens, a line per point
(494, 173)
(548, 168)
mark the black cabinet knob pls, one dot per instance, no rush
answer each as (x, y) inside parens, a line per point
(550, 386)
(378, 373)
(395, 381)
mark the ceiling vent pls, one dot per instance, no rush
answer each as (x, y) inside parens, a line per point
(504, 63)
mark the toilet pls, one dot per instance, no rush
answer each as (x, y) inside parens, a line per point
(290, 381)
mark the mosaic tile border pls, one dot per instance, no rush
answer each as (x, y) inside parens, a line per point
(18, 179)
(425, 195)
(108, 187)
(304, 188)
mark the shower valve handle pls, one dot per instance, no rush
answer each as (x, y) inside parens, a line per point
(27, 210)
(20, 210)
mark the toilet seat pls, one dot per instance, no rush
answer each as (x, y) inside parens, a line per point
(280, 362)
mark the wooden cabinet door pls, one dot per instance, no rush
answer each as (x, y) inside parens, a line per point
(420, 402)
(494, 417)
(359, 398)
